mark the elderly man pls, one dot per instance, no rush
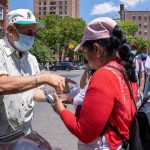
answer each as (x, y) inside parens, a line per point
(19, 74)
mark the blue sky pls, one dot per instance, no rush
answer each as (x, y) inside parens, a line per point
(90, 9)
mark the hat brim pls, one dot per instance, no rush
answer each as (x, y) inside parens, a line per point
(38, 24)
(79, 47)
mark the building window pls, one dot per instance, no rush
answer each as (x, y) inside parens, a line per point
(60, 2)
(39, 18)
(65, 12)
(52, 12)
(145, 32)
(134, 17)
(65, 2)
(145, 25)
(60, 7)
(52, 8)
(139, 25)
(39, 3)
(1, 13)
(60, 12)
(39, 13)
(65, 7)
(39, 8)
(145, 18)
(140, 32)
(44, 8)
(53, 3)
(139, 17)
(44, 13)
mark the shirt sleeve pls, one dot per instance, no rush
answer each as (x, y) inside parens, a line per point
(147, 63)
(3, 70)
(96, 108)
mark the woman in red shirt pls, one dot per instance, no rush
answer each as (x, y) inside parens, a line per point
(107, 97)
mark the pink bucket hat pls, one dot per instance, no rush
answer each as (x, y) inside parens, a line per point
(99, 28)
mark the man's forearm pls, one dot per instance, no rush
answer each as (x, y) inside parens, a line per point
(11, 85)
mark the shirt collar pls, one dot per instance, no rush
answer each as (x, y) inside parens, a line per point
(9, 49)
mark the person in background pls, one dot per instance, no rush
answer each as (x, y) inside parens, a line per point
(20, 76)
(86, 75)
(107, 98)
(140, 71)
(144, 57)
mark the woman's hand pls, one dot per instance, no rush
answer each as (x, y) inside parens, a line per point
(65, 99)
(58, 106)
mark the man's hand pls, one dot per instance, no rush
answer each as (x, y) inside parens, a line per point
(58, 82)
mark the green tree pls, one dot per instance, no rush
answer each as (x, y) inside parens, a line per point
(59, 33)
(129, 28)
(140, 43)
(42, 52)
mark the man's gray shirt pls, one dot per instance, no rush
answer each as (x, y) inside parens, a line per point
(16, 110)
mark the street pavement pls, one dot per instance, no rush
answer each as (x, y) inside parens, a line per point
(49, 125)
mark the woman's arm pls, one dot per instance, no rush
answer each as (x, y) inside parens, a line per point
(84, 78)
(95, 111)
(142, 81)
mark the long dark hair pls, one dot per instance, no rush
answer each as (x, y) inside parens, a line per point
(117, 43)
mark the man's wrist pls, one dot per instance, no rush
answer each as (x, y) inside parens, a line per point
(36, 81)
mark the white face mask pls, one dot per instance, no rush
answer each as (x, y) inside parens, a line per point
(134, 52)
(24, 43)
(144, 55)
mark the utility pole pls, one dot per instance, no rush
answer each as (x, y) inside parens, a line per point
(57, 52)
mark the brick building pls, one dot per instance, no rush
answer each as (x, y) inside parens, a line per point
(4, 8)
(60, 7)
(142, 18)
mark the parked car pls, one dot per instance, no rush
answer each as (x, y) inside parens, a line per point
(61, 65)
(79, 66)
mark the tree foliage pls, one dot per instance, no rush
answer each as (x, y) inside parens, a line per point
(139, 42)
(42, 52)
(58, 33)
(129, 27)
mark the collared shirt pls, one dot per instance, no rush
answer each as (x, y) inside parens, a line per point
(16, 110)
